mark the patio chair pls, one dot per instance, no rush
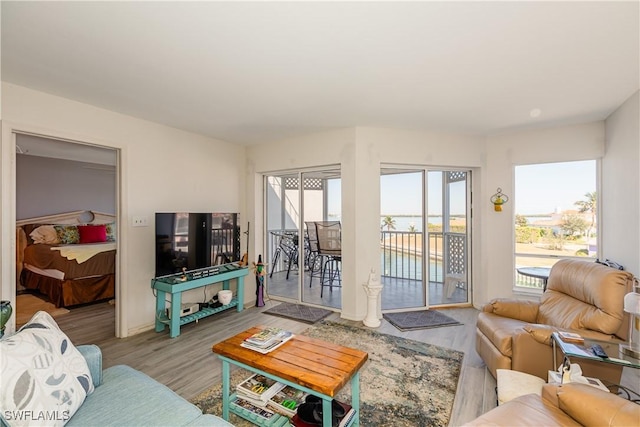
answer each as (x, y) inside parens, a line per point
(313, 259)
(330, 251)
(287, 249)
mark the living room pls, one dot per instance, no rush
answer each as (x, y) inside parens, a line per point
(203, 180)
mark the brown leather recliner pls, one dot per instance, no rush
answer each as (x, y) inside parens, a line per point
(564, 405)
(581, 296)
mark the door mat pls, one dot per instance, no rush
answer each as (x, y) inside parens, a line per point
(303, 313)
(404, 383)
(425, 319)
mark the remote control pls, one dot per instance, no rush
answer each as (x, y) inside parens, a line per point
(599, 351)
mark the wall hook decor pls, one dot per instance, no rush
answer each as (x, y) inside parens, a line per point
(498, 200)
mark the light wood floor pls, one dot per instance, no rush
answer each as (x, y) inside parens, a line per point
(187, 365)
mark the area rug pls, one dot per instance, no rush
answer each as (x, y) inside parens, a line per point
(403, 383)
(303, 313)
(27, 305)
(411, 320)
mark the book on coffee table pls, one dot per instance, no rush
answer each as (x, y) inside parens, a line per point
(259, 387)
(263, 413)
(570, 337)
(286, 401)
(267, 340)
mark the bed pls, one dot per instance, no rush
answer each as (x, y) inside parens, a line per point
(69, 257)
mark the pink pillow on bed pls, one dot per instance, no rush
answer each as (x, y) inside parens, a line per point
(92, 233)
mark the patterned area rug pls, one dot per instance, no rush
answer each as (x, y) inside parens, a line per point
(425, 319)
(299, 312)
(404, 382)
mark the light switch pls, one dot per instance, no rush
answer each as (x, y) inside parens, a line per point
(140, 221)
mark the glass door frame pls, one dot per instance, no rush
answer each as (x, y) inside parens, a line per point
(445, 198)
(302, 249)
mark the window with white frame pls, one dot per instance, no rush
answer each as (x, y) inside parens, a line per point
(555, 217)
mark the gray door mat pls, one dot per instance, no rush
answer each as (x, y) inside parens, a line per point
(303, 313)
(425, 319)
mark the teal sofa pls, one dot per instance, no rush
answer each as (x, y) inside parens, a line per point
(125, 396)
(47, 381)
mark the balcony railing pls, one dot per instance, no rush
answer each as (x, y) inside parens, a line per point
(401, 253)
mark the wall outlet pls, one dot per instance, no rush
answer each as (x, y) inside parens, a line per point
(140, 221)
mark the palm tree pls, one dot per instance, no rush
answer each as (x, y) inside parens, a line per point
(589, 205)
(389, 222)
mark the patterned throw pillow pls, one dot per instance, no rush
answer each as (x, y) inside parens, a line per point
(111, 232)
(45, 379)
(67, 234)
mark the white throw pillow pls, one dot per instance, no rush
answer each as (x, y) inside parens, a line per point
(45, 234)
(45, 379)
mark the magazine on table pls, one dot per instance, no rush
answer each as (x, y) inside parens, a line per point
(570, 337)
(259, 387)
(264, 413)
(286, 401)
(265, 337)
(268, 349)
(268, 338)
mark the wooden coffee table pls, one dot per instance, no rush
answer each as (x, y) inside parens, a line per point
(311, 365)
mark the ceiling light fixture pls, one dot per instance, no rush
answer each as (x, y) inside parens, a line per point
(535, 113)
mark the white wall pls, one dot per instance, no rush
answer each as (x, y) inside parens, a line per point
(162, 169)
(65, 185)
(621, 186)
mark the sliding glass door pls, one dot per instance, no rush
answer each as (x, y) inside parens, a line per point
(424, 237)
(295, 202)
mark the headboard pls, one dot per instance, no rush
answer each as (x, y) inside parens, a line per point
(75, 217)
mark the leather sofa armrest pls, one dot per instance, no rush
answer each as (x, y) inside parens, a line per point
(550, 394)
(540, 333)
(591, 406)
(526, 311)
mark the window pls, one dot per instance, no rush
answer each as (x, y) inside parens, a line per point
(555, 216)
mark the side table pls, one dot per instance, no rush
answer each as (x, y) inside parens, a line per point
(541, 273)
(611, 367)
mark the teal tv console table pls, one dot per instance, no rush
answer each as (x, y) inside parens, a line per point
(177, 283)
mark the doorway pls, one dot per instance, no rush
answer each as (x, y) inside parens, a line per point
(424, 237)
(295, 202)
(65, 184)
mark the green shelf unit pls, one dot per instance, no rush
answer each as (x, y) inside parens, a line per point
(276, 421)
(175, 285)
(205, 312)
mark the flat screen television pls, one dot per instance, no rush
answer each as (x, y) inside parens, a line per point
(193, 241)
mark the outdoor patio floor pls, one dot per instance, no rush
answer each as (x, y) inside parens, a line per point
(396, 294)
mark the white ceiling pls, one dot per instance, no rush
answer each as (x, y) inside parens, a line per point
(251, 73)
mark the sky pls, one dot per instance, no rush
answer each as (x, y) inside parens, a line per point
(540, 189)
(545, 188)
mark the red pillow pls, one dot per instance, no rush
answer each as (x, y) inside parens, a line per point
(92, 233)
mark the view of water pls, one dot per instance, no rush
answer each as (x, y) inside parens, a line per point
(409, 267)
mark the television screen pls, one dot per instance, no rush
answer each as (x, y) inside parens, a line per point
(195, 240)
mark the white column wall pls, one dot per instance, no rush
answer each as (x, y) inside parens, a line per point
(163, 169)
(621, 187)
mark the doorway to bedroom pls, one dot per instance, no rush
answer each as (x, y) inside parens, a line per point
(66, 201)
